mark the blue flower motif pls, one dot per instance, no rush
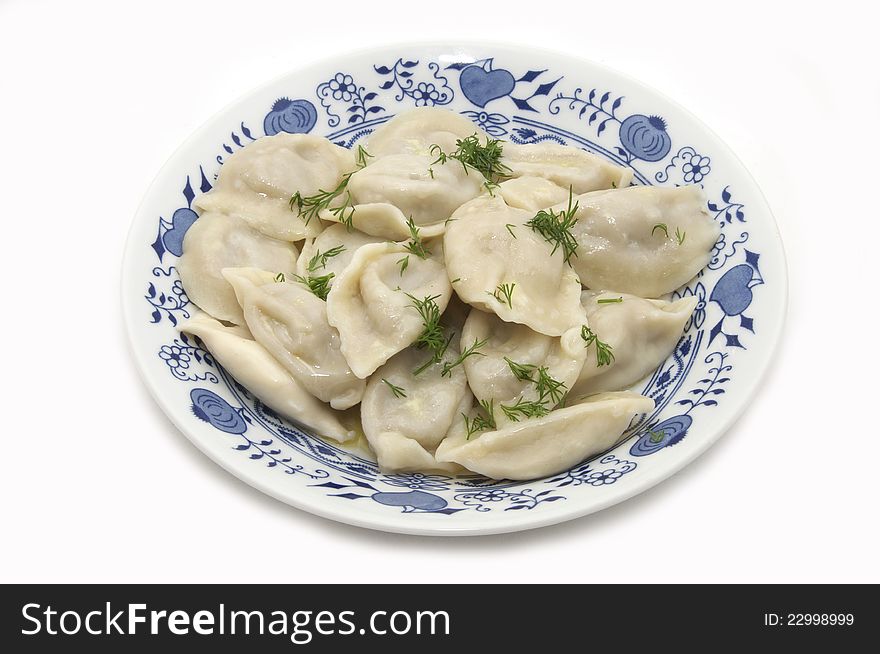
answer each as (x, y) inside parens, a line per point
(491, 123)
(490, 495)
(291, 116)
(695, 169)
(664, 378)
(342, 87)
(425, 94)
(174, 357)
(603, 477)
(213, 409)
(419, 481)
(645, 137)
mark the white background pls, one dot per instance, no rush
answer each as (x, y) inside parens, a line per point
(95, 483)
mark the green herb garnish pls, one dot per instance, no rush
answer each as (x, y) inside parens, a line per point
(310, 206)
(280, 278)
(481, 422)
(679, 236)
(403, 263)
(525, 409)
(470, 153)
(432, 337)
(556, 228)
(396, 390)
(318, 285)
(546, 386)
(604, 354)
(320, 258)
(510, 227)
(361, 157)
(662, 227)
(415, 245)
(506, 291)
(468, 352)
(656, 436)
(610, 300)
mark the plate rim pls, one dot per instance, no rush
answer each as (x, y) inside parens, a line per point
(416, 525)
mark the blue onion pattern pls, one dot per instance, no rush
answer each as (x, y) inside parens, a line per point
(291, 116)
(213, 409)
(667, 433)
(645, 137)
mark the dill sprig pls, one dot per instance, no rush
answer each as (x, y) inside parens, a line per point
(470, 153)
(280, 278)
(361, 157)
(679, 236)
(525, 409)
(662, 227)
(549, 389)
(506, 291)
(398, 391)
(604, 354)
(432, 337)
(415, 244)
(320, 258)
(556, 228)
(468, 352)
(510, 227)
(481, 422)
(656, 436)
(404, 264)
(610, 300)
(318, 284)
(310, 206)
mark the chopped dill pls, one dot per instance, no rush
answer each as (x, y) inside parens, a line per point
(506, 291)
(510, 227)
(604, 354)
(470, 153)
(432, 337)
(361, 157)
(468, 352)
(415, 245)
(310, 206)
(481, 422)
(403, 263)
(656, 436)
(679, 236)
(610, 300)
(320, 258)
(396, 390)
(318, 285)
(280, 278)
(662, 227)
(556, 228)
(525, 409)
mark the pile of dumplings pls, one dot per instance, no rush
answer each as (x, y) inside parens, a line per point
(523, 307)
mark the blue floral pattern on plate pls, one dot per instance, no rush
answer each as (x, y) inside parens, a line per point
(526, 105)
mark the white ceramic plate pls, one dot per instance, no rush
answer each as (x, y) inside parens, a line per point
(513, 93)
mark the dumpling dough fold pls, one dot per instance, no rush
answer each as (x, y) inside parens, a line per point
(216, 241)
(255, 369)
(539, 447)
(257, 182)
(291, 323)
(416, 130)
(565, 166)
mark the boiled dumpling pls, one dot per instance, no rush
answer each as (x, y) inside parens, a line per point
(532, 193)
(257, 182)
(512, 354)
(337, 241)
(538, 447)
(644, 240)
(255, 369)
(565, 166)
(405, 416)
(416, 130)
(291, 323)
(216, 241)
(402, 186)
(501, 265)
(371, 302)
(641, 333)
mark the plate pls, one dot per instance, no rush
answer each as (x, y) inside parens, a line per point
(513, 93)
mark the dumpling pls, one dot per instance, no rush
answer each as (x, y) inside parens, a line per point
(491, 374)
(408, 186)
(257, 182)
(501, 265)
(416, 130)
(538, 447)
(641, 333)
(532, 193)
(291, 323)
(328, 241)
(371, 303)
(644, 240)
(216, 241)
(405, 416)
(255, 369)
(565, 166)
